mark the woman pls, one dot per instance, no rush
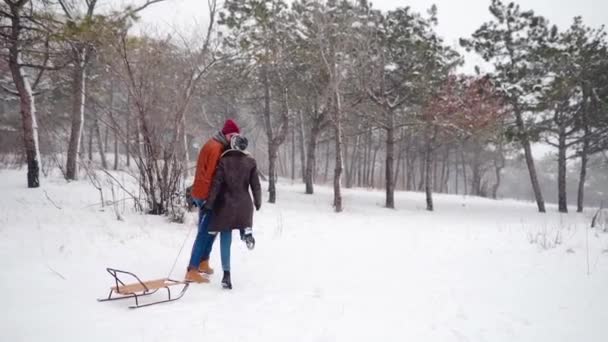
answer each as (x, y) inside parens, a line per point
(229, 198)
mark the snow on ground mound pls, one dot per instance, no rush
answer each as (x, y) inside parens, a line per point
(474, 270)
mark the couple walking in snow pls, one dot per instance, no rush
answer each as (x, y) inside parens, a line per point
(224, 174)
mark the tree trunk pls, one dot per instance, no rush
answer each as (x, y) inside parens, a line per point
(115, 149)
(26, 100)
(499, 164)
(326, 174)
(476, 178)
(293, 153)
(367, 171)
(410, 162)
(422, 171)
(128, 134)
(354, 160)
(372, 180)
(106, 149)
(428, 162)
(345, 145)
(562, 201)
(272, 160)
(311, 158)
(457, 175)
(525, 142)
(114, 128)
(399, 162)
(91, 143)
(302, 144)
(464, 172)
(186, 155)
(274, 141)
(102, 154)
(580, 200)
(78, 104)
(272, 150)
(446, 164)
(338, 140)
(390, 158)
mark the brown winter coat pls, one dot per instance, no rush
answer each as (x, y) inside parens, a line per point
(229, 198)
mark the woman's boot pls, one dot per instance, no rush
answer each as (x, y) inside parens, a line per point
(226, 282)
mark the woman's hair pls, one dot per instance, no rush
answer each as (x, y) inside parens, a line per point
(239, 142)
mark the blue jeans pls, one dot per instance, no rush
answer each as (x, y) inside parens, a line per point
(225, 242)
(204, 241)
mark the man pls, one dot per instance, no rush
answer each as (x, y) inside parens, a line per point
(206, 164)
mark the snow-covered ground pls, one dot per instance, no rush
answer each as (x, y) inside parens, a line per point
(474, 270)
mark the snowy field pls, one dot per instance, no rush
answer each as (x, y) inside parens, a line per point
(474, 270)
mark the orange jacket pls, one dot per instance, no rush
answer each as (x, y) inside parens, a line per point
(208, 158)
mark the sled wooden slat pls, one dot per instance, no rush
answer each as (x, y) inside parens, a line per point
(143, 287)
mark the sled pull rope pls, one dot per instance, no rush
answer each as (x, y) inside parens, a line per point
(180, 251)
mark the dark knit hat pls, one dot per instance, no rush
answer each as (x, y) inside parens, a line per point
(230, 127)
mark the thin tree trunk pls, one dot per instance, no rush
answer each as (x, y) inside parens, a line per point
(372, 180)
(345, 148)
(368, 163)
(366, 159)
(399, 162)
(128, 134)
(410, 162)
(338, 140)
(422, 171)
(525, 142)
(353, 163)
(106, 140)
(435, 181)
(326, 174)
(274, 141)
(91, 143)
(464, 171)
(272, 150)
(115, 149)
(26, 98)
(580, 200)
(186, 155)
(499, 164)
(561, 172)
(457, 175)
(311, 158)
(302, 141)
(293, 153)
(104, 163)
(114, 128)
(428, 161)
(446, 164)
(389, 167)
(78, 105)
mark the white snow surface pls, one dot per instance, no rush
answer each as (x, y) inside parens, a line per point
(466, 272)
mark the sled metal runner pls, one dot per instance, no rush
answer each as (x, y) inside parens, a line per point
(142, 289)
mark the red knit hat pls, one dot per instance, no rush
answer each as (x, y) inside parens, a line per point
(230, 127)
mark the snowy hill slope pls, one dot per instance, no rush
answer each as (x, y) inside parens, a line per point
(467, 272)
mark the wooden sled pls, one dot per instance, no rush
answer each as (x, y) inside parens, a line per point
(142, 288)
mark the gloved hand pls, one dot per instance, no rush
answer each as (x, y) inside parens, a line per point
(257, 207)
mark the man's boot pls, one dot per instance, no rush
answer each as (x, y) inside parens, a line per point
(205, 268)
(195, 277)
